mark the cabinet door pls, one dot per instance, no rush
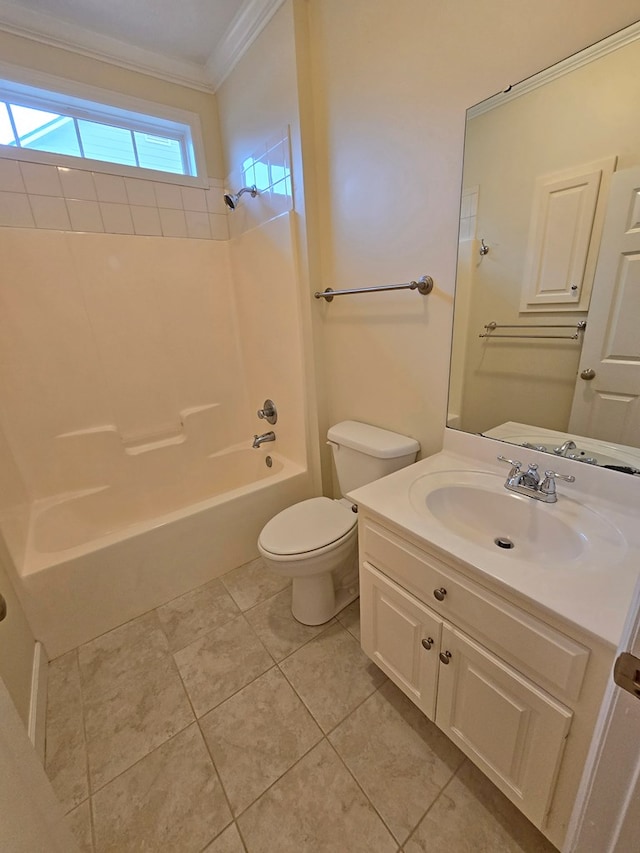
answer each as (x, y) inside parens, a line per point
(401, 636)
(510, 728)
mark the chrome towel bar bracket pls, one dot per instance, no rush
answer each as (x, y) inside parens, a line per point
(424, 286)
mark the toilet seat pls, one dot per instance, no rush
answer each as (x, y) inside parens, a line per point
(310, 526)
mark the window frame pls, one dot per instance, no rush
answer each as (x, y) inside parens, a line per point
(85, 102)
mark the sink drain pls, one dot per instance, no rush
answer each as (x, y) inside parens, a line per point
(503, 542)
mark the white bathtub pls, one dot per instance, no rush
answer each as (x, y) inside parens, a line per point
(99, 557)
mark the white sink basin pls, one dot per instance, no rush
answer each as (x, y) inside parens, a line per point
(476, 507)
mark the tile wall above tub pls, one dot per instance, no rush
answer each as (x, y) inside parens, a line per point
(268, 168)
(34, 195)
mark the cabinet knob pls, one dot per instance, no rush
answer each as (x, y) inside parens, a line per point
(445, 657)
(440, 593)
(588, 373)
(427, 643)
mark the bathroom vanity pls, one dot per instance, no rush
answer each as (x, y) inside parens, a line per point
(506, 649)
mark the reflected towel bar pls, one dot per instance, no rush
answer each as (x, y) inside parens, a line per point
(424, 286)
(579, 327)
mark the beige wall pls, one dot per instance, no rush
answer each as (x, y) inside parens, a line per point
(391, 83)
(577, 119)
(64, 63)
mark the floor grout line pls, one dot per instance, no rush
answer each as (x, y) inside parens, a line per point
(278, 665)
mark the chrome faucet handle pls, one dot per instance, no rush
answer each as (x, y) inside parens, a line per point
(511, 462)
(269, 412)
(514, 475)
(553, 475)
(548, 485)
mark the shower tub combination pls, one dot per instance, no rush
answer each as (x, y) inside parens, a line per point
(97, 557)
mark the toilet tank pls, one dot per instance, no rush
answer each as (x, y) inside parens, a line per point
(364, 453)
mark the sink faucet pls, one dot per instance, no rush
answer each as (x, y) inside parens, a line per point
(565, 447)
(528, 482)
(260, 439)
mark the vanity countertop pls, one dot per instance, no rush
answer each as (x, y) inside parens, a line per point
(592, 595)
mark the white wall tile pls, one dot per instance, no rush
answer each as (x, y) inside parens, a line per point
(15, 210)
(198, 225)
(10, 176)
(219, 226)
(277, 163)
(116, 218)
(146, 221)
(110, 188)
(261, 172)
(168, 195)
(193, 198)
(61, 198)
(215, 200)
(40, 179)
(84, 215)
(173, 223)
(140, 192)
(248, 175)
(77, 183)
(50, 212)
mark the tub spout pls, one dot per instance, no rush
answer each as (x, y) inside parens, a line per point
(260, 439)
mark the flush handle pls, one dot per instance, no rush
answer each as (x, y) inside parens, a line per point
(440, 593)
(427, 643)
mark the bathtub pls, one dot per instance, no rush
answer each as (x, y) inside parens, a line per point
(98, 557)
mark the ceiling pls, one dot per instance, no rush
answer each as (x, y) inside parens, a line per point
(195, 42)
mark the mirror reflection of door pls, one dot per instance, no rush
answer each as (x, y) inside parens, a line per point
(538, 165)
(607, 403)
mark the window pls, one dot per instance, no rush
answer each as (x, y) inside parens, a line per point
(39, 120)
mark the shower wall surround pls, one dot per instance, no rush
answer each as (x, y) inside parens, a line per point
(107, 339)
(269, 169)
(34, 195)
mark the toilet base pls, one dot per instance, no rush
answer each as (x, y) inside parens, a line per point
(314, 600)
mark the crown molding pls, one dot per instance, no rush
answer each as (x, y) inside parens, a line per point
(49, 30)
(577, 60)
(243, 31)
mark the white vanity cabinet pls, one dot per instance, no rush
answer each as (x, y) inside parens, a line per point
(506, 686)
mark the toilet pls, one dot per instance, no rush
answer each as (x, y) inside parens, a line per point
(315, 541)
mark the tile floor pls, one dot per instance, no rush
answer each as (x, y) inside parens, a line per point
(217, 723)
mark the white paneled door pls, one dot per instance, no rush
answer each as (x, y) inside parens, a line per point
(607, 813)
(606, 404)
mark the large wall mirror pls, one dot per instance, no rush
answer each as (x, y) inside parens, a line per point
(546, 342)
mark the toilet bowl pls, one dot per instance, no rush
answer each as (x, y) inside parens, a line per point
(315, 542)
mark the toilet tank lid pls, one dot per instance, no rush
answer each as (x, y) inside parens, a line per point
(381, 443)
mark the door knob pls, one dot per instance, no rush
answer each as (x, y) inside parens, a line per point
(587, 374)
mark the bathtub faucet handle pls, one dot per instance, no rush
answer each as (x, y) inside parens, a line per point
(268, 412)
